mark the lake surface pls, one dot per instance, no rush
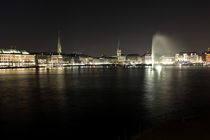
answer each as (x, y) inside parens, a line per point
(101, 103)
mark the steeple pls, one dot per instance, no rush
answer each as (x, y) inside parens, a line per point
(118, 45)
(119, 52)
(59, 51)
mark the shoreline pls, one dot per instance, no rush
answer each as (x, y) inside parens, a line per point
(106, 65)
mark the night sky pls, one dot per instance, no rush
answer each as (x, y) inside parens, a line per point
(93, 27)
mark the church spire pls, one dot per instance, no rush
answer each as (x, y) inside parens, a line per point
(119, 52)
(59, 51)
(118, 44)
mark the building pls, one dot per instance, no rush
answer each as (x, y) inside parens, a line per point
(147, 58)
(103, 60)
(56, 60)
(134, 59)
(71, 59)
(164, 60)
(16, 58)
(119, 51)
(48, 59)
(42, 59)
(112, 60)
(51, 59)
(206, 56)
(85, 59)
(188, 58)
(120, 57)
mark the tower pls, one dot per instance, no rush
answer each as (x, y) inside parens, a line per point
(59, 51)
(119, 52)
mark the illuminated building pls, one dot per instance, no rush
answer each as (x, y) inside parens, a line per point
(71, 59)
(50, 59)
(119, 51)
(121, 58)
(57, 60)
(164, 60)
(84, 59)
(133, 59)
(100, 61)
(147, 58)
(206, 56)
(42, 59)
(112, 60)
(16, 58)
(188, 57)
(195, 58)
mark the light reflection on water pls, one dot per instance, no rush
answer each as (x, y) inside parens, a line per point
(110, 99)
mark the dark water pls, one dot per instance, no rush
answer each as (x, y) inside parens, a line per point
(98, 103)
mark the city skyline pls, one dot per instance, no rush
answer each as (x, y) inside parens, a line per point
(94, 27)
(59, 47)
(105, 69)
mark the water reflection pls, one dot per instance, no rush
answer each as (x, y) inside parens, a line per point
(100, 98)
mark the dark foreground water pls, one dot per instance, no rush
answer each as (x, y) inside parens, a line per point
(98, 103)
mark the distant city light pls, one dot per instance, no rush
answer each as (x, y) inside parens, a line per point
(10, 58)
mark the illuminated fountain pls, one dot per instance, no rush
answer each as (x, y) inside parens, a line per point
(161, 46)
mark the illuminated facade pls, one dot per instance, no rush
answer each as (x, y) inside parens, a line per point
(164, 60)
(57, 60)
(100, 61)
(120, 57)
(50, 60)
(147, 58)
(119, 51)
(85, 59)
(16, 58)
(112, 60)
(188, 57)
(206, 56)
(42, 60)
(133, 59)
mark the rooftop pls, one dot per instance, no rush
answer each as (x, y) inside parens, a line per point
(13, 51)
(133, 55)
(188, 53)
